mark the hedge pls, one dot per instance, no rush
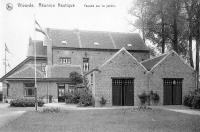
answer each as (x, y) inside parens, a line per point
(83, 98)
(23, 102)
(192, 99)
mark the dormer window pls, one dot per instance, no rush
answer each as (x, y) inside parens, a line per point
(96, 43)
(129, 45)
(64, 42)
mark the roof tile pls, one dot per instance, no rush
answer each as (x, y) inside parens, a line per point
(150, 63)
(63, 71)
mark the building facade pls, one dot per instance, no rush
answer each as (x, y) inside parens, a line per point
(63, 52)
(117, 65)
(122, 78)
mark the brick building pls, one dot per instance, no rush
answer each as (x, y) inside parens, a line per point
(117, 65)
(64, 52)
(122, 78)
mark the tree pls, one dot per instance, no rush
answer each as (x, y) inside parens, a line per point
(196, 4)
(160, 22)
(189, 7)
(76, 78)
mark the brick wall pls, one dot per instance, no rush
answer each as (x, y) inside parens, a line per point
(16, 90)
(172, 67)
(96, 58)
(123, 66)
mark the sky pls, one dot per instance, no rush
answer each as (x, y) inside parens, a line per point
(17, 24)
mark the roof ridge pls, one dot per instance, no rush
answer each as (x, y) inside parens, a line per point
(84, 30)
(16, 68)
(111, 57)
(181, 58)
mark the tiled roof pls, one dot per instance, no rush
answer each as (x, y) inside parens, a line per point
(96, 39)
(150, 63)
(92, 39)
(19, 66)
(132, 39)
(41, 51)
(63, 71)
(28, 72)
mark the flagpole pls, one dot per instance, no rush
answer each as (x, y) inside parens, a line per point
(34, 42)
(5, 59)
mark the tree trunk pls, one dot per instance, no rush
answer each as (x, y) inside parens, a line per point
(163, 35)
(163, 27)
(197, 62)
(143, 33)
(197, 55)
(175, 39)
(190, 49)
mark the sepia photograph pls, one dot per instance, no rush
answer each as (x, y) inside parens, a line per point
(99, 66)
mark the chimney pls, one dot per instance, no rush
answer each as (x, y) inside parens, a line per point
(30, 47)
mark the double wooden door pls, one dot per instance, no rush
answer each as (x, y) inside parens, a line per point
(172, 91)
(122, 92)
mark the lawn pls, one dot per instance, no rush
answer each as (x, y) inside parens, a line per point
(104, 121)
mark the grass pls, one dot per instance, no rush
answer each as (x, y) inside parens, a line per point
(104, 121)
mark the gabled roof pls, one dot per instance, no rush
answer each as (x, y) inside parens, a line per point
(98, 68)
(28, 72)
(96, 39)
(116, 54)
(19, 66)
(150, 63)
(63, 71)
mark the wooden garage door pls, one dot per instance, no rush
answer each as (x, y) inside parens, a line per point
(123, 92)
(172, 91)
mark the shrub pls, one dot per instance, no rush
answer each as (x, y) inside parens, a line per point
(102, 101)
(86, 99)
(68, 97)
(51, 110)
(188, 100)
(192, 99)
(143, 98)
(154, 97)
(72, 97)
(25, 102)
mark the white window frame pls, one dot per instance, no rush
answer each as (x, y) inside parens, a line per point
(85, 64)
(26, 88)
(65, 60)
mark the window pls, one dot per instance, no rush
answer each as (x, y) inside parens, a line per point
(43, 66)
(71, 88)
(85, 64)
(29, 89)
(65, 60)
